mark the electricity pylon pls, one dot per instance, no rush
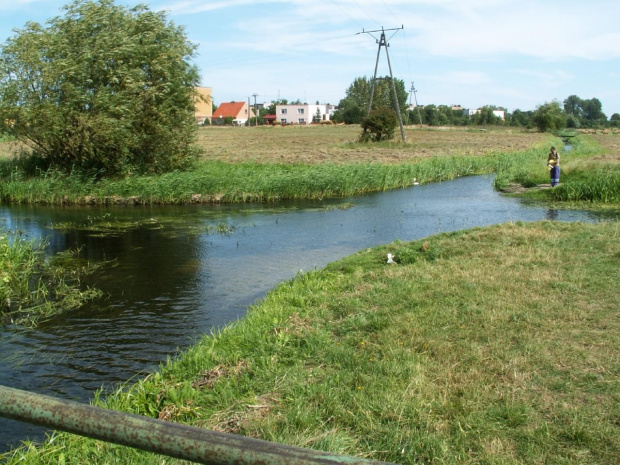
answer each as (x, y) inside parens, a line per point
(383, 43)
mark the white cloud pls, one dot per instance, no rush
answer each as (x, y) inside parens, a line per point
(543, 30)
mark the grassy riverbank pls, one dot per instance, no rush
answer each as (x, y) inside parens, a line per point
(34, 287)
(264, 164)
(590, 173)
(267, 164)
(493, 345)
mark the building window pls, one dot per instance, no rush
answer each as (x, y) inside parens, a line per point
(300, 111)
(283, 121)
(302, 121)
(283, 111)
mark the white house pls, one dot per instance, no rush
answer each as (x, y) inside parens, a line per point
(499, 113)
(303, 113)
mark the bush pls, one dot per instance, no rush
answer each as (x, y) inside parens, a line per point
(379, 125)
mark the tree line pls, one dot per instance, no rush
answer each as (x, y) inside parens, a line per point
(574, 112)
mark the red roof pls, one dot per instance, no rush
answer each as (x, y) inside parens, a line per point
(229, 109)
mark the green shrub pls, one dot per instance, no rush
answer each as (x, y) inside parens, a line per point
(379, 125)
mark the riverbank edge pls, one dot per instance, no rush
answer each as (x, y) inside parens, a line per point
(216, 182)
(219, 182)
(389, 362)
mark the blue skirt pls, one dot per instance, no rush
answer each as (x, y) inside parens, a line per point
(555, 175)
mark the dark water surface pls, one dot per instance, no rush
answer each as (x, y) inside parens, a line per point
(170, 281)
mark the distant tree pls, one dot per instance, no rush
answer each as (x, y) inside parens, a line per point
(614, 121)
(593, 115)
(486, 116)
(379, 125)
(415, 116)
(573, 105)
(458, 117)
(430, 115)
(317, 116)
(436, 115)
(262, 112)
(549, 116)
(444, 115)
(572, 122)
(105, 87)
(521, 118)
(349, 113)
(354, 105)
(584, 112)
(271, 109)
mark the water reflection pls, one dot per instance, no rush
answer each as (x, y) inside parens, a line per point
(167, 286)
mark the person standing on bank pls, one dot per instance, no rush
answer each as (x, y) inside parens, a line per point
(553, 163)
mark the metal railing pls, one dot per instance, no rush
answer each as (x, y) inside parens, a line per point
(171, 439)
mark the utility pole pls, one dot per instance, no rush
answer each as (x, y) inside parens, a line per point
(383, 43)
(414, 91)
(255, 113)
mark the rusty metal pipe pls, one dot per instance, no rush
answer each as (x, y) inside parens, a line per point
(171, 439)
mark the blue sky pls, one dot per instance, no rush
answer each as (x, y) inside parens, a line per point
(510, 53)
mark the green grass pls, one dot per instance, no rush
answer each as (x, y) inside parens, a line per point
(34, 287)
(214, 181)
(492, 345)
(583, 181)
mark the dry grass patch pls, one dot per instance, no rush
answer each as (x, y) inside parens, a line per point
(338, 144)
(611, 143)
(242, 418)
(208, 378)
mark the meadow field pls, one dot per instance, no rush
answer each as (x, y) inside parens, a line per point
(338, 144)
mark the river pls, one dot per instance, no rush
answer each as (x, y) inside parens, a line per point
(171, 280)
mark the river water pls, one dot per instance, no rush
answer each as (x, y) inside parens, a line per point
(172, 279)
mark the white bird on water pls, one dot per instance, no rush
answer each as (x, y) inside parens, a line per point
(390, 258)
(415, 182)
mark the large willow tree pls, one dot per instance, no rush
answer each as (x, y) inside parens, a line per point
(103, 87)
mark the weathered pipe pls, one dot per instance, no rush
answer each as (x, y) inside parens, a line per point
(171, 439)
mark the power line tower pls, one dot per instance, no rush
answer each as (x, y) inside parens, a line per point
(255, 110)
(415, 96)
(384, 43)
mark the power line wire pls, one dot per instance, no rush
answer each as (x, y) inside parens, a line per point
(346, 13)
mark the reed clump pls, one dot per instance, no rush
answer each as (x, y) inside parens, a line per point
(35, 287)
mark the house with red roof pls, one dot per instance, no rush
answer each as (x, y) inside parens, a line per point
(239, 112)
